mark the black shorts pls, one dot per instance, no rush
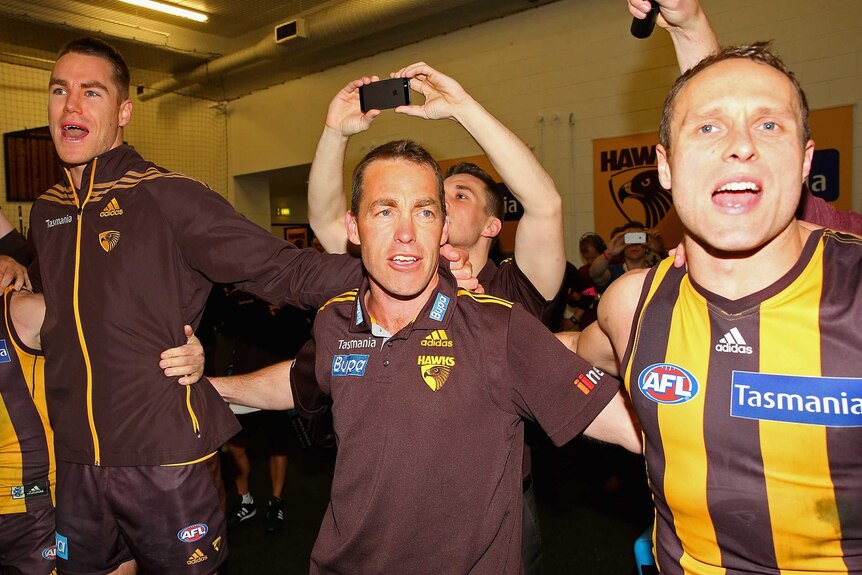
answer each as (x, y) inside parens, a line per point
(27, 543)
(276, 427)
(169, 519)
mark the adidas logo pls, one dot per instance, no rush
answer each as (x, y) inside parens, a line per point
(733, 342)
(437, 338)
(197, 557)
(36, 490)
(112, 209)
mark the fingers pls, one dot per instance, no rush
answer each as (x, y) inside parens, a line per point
(354, 86)
(639, 8)
(414, 70)
(185, 361)
(412, 110)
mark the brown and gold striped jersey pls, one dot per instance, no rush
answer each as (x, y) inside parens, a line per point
(752, 414)
(26, 443)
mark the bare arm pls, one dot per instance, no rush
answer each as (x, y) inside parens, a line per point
(5, 225)
(692, 36)
(268, 388)
(617, 422)
(326, 200)
(599, 344)
(599, 268)
(539, 246)
(28, 312)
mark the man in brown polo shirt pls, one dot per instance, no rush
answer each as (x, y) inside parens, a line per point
(429, 386)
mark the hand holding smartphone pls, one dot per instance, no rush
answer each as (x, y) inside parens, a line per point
(635, 238)
(384, 94)
(643, 28)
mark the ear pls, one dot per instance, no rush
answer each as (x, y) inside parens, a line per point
(663, 167)
(807, 159)
(492, 228)
(352, 228)
(445, 237)
(125, 112)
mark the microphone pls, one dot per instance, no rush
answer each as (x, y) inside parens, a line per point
(643, 28)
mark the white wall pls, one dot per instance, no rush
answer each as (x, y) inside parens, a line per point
(537, 69)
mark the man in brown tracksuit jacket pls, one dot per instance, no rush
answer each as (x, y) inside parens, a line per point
(126, 253)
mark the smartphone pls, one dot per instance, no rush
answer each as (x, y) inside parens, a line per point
(643, 28)
(635, 238)
(384, 94)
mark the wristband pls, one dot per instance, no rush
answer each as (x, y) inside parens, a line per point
(605, 253)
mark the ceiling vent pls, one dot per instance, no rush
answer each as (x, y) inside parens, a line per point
(290, 30)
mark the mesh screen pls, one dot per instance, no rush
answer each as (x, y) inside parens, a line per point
(182, 133)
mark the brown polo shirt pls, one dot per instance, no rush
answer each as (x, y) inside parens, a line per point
(430, 429)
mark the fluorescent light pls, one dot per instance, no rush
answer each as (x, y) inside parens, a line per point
(169, 9)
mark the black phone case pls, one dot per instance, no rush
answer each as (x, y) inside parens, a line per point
(384, 94)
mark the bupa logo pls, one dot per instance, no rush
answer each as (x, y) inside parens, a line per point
(49, 552)
(61, 546)
(4, 352)
(344, 365)
(667, 383)
(439, 308)
(192, 532)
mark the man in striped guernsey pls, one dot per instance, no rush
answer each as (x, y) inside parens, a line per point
(27, 470)
(745, 369)
(27, 467)
(429, 402)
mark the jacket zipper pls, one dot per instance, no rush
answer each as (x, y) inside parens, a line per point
(77, 311)
(196, 427)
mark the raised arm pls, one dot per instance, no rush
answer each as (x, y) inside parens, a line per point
(326, 201)
(692, 36)
(268, 388)
(539, 246)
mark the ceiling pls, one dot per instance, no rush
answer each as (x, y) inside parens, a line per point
(234, 53)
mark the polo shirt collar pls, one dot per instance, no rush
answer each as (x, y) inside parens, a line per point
(436, 313)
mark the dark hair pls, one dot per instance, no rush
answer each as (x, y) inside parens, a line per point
(592, 239)
(100, 49)
(629, 225)
(493, 194)
(758, 52)
(405, 150)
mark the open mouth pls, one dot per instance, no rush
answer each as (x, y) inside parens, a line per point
(74, 131)
(737, 195)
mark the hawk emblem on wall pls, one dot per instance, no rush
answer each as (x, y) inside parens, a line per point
(639, 196)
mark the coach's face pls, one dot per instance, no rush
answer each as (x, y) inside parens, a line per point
(400, 227)
(737, 159)
(86, 112)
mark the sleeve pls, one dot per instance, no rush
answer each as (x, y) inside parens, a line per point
(551, 385)
(512, 284)
(228, 248)
(15, 246)
(818, 211)
(308, 397)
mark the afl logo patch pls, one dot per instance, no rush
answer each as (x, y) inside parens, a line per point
(49, 552)
(192, 532)
(667, 383)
